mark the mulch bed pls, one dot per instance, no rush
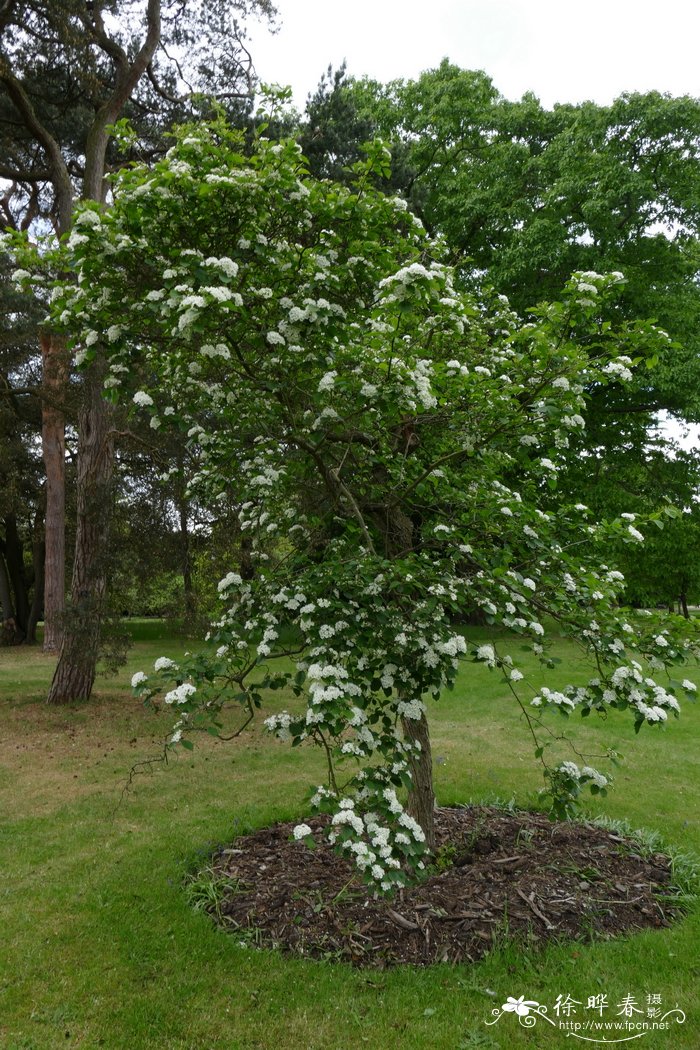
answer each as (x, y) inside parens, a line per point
(499, 874)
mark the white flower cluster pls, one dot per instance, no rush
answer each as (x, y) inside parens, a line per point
(181, 694)
(409, 275)
(454, 646)
(420, 377)
(553, 696)
(375, 848)
(232, 579)
(414, 709)
(279, 725)
(227, 266)
(487, 653)
(586, 773)
(619, 370)
(164, 663)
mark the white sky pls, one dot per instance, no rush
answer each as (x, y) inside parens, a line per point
(564, 51)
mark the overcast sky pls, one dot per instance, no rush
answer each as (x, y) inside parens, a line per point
(564, 51)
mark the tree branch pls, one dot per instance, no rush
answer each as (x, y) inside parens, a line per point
(23, 174)
(57, 165)
(128, 76)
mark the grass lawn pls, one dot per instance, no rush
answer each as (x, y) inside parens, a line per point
(99, 948)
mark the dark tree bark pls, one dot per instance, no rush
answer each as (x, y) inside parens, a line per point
(684, 604)
(6, 606)
(53, 443)
(399, 537)
(246, 559)
(421, 796)
(77, 662)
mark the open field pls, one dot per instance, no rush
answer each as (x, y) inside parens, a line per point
(100, 949)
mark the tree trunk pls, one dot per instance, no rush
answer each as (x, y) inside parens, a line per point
(9, 634)
(186, 560)
(53, 443)
(246, 559)
(6, 606)
(38, 556)
(684, 605)
(14, 558)
(421, 796)
(77, 663)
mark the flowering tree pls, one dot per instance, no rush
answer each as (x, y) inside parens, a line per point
(388, 439)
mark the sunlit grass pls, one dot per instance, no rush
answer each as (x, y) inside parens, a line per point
(99, 947)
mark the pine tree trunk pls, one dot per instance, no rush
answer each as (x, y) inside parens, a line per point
(53, 443)
(77, 663)
(421, 796)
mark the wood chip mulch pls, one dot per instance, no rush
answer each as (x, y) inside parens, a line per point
(499, 875)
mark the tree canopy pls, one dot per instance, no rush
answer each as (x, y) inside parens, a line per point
(527, 195)
(523, 196)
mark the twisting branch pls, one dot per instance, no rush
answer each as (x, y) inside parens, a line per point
(336, 485)
(128, 76)
(57, 165)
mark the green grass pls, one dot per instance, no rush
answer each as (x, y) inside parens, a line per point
(99, 946)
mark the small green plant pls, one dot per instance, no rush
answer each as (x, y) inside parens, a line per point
(207, 889)
(585, 874)
(524, 838)
(476, 1040)
(444, 858)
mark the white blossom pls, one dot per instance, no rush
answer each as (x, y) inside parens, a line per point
(486, 653)
(163, 663)
(181, 694)
(327, 382)
(232, 579)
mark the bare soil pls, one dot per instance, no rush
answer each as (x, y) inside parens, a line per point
(496, 875)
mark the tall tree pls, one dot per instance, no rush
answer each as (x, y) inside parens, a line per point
(68, 71)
